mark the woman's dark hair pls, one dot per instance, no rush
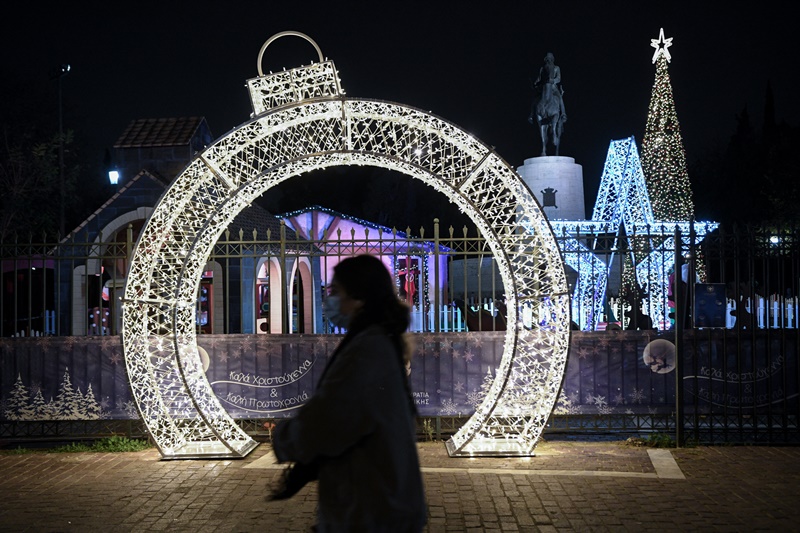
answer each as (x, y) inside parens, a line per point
(365, 278)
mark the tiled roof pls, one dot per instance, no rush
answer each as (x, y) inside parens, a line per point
(159, 132)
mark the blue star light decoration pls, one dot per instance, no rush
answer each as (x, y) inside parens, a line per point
(622, 212)
(661, 44)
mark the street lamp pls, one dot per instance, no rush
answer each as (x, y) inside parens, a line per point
(62, 71)
(113, 172)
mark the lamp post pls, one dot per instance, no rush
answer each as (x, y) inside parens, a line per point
(62, 71)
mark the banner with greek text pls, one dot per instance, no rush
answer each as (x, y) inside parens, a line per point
(270, 376)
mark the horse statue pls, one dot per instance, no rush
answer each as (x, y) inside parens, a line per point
(548, 104)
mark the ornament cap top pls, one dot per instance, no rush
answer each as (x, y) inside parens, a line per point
(285, 34)
(317, 80)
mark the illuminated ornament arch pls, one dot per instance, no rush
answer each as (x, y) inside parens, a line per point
(303, 122)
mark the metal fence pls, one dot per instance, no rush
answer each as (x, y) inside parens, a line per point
(73, 287)
(728, 301)
(448, 276)
(738, 340)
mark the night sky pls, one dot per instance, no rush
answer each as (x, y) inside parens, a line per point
(470, 65)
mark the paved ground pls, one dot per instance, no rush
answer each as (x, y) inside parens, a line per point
(568, 486)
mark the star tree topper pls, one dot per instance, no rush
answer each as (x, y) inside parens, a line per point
(657, 44)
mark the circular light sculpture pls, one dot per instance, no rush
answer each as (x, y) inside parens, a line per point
(303, 122)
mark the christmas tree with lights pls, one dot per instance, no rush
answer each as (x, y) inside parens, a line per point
(663, 155)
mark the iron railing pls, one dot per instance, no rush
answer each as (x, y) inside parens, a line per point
(448, 275)
(734, 319)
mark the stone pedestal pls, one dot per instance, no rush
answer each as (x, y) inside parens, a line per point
(557, 183)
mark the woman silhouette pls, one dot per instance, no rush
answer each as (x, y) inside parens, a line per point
(357, 433)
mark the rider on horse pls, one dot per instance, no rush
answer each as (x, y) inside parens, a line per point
(551, 73)
(548, 104)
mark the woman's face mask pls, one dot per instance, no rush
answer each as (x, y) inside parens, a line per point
(333, 310)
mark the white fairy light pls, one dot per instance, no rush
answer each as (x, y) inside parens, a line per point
(305, 107)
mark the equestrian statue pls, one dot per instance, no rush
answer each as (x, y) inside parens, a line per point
(548, 104)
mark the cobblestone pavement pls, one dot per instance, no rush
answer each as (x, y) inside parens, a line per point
(568, 486)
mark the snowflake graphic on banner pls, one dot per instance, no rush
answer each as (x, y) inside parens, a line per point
(637, 395)
(128, 407)
(449, 407)
(574, 397)
(567, 404)
(599, 401)
(474, 398)
(246, 346)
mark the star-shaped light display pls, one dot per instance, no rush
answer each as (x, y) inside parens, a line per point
(622, 212)
(661, 44)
